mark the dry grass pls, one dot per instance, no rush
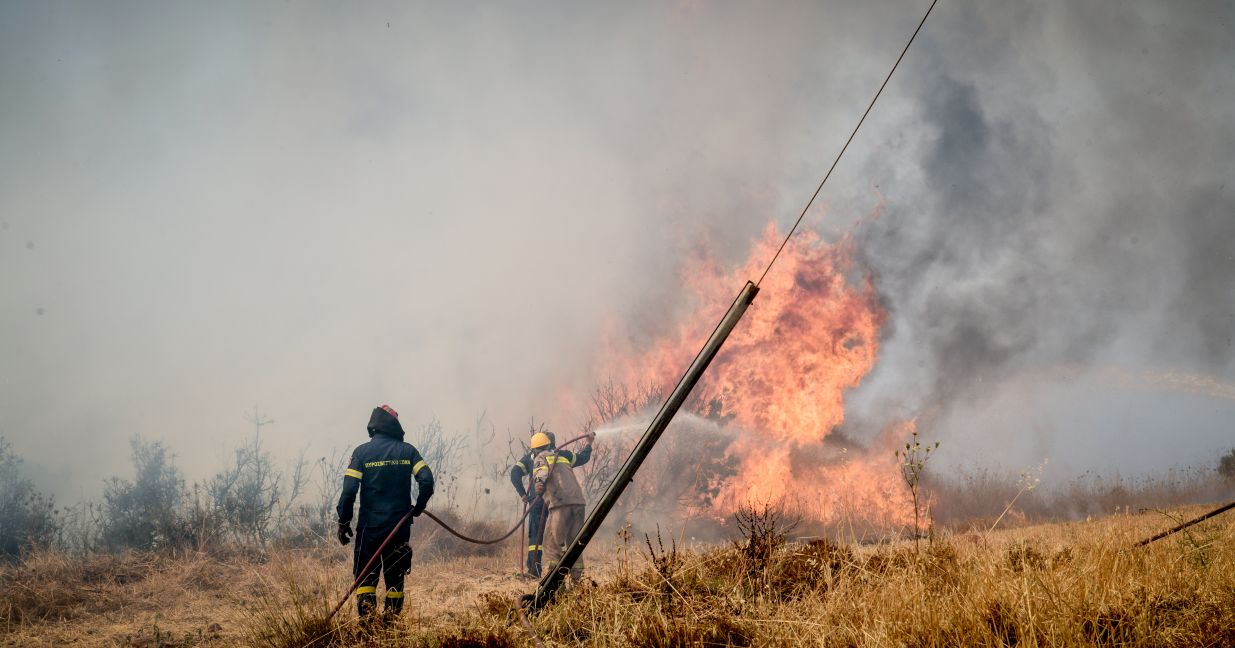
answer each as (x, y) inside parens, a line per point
(130, 599)
(1077, 584)
(1074, 584)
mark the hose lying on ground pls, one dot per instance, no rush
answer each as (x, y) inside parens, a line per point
(1181, 527)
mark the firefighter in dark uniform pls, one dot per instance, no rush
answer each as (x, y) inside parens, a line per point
(382, 471)
(536, 517)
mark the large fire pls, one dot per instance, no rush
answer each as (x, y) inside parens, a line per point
(811, 335)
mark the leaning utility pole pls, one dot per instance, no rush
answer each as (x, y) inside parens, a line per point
(553, 578)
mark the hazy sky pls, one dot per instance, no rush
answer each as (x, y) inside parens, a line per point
(319, 207)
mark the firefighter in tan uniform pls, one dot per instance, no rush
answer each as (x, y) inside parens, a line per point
(554, 474)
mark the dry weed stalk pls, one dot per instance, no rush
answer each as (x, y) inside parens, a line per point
(1028, 481)
(913, 460)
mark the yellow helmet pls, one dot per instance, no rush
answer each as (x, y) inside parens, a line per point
(540, 440)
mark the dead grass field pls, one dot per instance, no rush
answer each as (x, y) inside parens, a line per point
(1067, 584)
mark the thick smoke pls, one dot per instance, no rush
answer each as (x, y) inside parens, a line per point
(204, 206)
(319, 210)
(1067, 204)
(965, 264)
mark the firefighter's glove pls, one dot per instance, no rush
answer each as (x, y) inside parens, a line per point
(417, 510)
(540, 488)
(345, 533)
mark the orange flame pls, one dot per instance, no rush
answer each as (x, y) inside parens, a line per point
(811, 335)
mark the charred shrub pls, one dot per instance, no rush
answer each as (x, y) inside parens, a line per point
(666, 563)
(763, 529)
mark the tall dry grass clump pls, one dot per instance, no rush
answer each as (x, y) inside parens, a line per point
(52, 586)
(56, 598)
(295, 606)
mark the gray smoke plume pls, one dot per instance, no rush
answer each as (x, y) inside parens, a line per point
(1067, 202)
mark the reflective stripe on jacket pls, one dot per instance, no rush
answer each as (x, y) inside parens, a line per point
(556, 471)
(523, 467)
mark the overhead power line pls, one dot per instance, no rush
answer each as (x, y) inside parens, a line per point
(846, 146)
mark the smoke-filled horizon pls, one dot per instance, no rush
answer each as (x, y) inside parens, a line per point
(320, 209)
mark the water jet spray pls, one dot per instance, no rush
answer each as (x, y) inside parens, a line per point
(554, 577)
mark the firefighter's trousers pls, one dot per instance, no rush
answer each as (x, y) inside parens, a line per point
(395, 561)
(535, 536)
(562, 526)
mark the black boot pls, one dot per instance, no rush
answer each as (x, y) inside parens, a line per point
(394, 605)
(365, 605)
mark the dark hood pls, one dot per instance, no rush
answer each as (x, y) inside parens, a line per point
(381, 422)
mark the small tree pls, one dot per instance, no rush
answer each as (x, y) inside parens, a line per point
(913, 461)
(145, 513)
(252, 498)
(247, 494)
(27, 517)
(1226, 466)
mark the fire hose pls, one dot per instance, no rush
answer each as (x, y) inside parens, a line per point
(407, 516)
(1197, 520)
